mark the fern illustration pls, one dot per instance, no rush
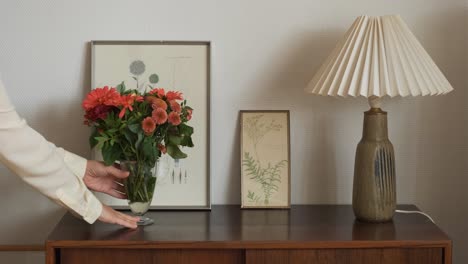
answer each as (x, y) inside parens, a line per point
(257, 130)
(268, 177)
(253, 198)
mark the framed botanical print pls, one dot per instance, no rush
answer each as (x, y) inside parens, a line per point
(173, 65)
(265, 159)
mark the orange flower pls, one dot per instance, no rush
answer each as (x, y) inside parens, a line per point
(98, 112)
(148, 125)
(159, 103)
(174, 118)
(150, 99)
(175, 106)
(158, 92)
(159, 116)
(189, 114)
(126, 101)
(162, 148)
(174, 95)
(138, 98)
(101, 96)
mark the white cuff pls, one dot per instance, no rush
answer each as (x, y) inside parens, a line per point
(75, 163)
(89, 208)
(94, 210)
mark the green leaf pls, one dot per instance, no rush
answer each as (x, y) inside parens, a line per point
(139, 139)
(92, 138)
(147, 147)
(101, 141)
(129, 136)
(148, 152)
(185, 129)
(112, 120)
(175, 152)
(120, 87)
(154, 78)
(187, 142)
(135, 128)
(175, 140)
(111, 153)
(112, 130)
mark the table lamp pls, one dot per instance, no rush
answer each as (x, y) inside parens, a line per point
(379, 56)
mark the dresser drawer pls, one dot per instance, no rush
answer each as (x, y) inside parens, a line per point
(347, 256)
(144, 256)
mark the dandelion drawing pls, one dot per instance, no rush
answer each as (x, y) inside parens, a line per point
(137, 68)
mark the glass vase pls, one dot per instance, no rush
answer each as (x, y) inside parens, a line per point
(139, 187)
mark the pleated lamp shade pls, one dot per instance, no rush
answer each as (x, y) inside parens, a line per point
(379, 56)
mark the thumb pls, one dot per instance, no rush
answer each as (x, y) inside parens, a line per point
(117, 173)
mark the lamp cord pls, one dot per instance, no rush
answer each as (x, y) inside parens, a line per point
(415, 212)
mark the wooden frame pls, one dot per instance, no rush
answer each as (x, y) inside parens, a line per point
(208, 112)
(288, 155)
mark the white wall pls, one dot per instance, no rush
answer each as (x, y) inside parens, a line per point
(264, 54)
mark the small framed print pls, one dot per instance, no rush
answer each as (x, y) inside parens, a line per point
(265, 159)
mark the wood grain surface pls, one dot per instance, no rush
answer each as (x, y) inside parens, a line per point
(346, 256)
(143, 256)
(307, 233)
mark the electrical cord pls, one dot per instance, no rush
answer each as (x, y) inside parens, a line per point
(415, 212)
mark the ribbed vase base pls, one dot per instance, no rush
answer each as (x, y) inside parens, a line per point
(144, 221)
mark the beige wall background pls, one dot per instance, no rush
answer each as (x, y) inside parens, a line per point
(264, 53)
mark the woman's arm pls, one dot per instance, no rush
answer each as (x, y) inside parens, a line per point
(55, 172)
(39, 163)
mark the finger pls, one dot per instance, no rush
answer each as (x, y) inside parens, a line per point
(112, 216)
(120, 181)
(117, 186)
(108, 215)
(128, 219)
(117, 165)
(125, 223)
(113, 171)
(131, 218)
(117, 194)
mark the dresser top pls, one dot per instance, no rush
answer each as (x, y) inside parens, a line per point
(302, 225)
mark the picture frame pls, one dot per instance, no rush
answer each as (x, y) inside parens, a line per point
(265, 159)
(179, 65)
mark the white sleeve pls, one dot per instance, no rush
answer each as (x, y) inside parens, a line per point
(74, 162)
(53, 171)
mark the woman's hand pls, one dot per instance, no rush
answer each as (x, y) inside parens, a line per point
(109, 215)
(108, 179)
(105, 179)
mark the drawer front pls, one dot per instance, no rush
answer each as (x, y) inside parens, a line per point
(145, 256)
(347, 256)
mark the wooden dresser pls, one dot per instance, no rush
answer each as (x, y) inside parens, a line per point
(304, 234)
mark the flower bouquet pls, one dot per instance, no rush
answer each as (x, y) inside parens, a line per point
(134, 129)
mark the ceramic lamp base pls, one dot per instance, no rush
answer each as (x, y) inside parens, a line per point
(374, 191)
